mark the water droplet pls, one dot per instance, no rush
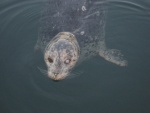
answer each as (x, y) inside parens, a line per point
(83, 8)
(82, 33)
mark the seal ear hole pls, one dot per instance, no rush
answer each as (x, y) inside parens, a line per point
(50, 60)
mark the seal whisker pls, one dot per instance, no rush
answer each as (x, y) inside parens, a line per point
(42, 71)
(74, 74)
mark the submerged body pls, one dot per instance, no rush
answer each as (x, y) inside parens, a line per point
(72, 31)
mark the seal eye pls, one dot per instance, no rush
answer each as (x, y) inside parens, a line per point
(67, 61)
(50, 60)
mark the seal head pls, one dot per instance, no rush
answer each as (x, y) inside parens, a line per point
(61, 55)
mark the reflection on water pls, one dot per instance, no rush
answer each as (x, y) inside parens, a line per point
(103, 87)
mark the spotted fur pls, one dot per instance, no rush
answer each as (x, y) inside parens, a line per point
(72, 31)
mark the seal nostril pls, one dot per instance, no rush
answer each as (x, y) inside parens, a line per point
(56, 74)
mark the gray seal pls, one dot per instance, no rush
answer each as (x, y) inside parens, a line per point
(72, 31)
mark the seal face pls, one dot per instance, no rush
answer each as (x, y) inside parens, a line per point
(61, 55)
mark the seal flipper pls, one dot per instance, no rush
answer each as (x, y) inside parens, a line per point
(114, 56)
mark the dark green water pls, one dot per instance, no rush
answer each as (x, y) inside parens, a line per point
(102, 88)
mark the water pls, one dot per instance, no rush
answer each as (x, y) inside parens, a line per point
(102, 88)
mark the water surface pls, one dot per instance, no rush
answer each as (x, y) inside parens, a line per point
(102, 88)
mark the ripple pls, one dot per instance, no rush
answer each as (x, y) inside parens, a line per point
(17, 15)
(129, 8)
(52, 92)
(127, 4)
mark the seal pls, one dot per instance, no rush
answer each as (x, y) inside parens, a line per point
(72, 31)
